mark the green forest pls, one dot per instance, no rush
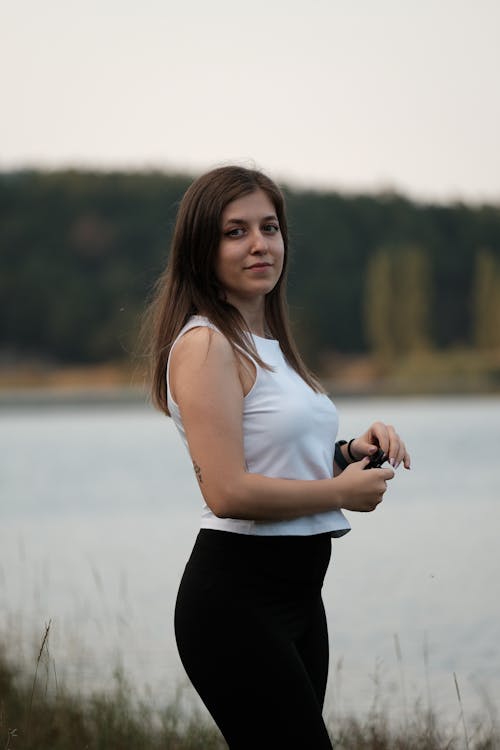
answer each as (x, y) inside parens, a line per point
(374, 275)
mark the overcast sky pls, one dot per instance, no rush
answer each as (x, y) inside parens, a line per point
(353, 94)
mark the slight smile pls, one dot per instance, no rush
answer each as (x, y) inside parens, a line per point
(259, 265)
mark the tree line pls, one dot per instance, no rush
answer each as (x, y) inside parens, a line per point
(80, 251)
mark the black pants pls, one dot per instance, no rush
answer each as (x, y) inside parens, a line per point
(251, 632)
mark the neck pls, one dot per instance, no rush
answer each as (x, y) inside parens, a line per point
(253, 315)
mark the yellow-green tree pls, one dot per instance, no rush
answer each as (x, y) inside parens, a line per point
(397, 301)
(411, 300)
(487, 301)
(378, 305)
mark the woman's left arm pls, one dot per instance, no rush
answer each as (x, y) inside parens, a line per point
(383, 436)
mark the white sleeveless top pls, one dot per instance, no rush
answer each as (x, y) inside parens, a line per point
(289, 431)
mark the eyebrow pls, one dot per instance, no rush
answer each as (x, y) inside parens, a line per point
(271, 217)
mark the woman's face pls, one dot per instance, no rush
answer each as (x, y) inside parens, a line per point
(250, 257)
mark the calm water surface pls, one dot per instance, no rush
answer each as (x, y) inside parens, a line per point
(99, 510)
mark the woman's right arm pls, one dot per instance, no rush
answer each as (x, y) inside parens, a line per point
(205, 383)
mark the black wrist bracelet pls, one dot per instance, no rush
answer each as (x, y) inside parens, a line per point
(349, 450)
(339, 456)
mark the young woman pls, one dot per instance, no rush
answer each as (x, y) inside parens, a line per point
(249, 622)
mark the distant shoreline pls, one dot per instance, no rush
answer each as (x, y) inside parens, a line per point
(50, 396)
(460, 372)
(28, 398)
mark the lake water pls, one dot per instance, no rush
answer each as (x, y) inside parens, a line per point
(99, 509)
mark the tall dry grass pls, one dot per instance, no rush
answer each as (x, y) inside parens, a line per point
(38, 713)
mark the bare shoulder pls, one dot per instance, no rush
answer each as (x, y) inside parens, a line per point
(201, 358)
(199, 345)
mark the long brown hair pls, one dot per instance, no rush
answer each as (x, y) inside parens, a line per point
(189, 286)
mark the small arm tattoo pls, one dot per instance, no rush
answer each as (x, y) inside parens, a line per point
(197, 471)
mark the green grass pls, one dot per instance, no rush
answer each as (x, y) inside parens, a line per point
(38, 713)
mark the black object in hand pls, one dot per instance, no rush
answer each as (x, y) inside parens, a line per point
(376, 460)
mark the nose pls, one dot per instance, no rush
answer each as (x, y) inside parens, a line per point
(259, 241)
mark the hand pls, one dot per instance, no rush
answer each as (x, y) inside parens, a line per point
(362, 490)
(383, 436)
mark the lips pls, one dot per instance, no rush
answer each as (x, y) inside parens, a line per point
(260, 265)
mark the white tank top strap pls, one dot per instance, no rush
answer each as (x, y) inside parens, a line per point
(195, 321)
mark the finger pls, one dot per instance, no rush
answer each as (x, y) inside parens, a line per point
(363, 448)
(407, 461)
(381, 432)
(359, 465)
(394, 446)
(388, 473)
(401, 454)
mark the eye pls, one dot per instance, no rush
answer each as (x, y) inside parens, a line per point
(236, 232)
(271, 228)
